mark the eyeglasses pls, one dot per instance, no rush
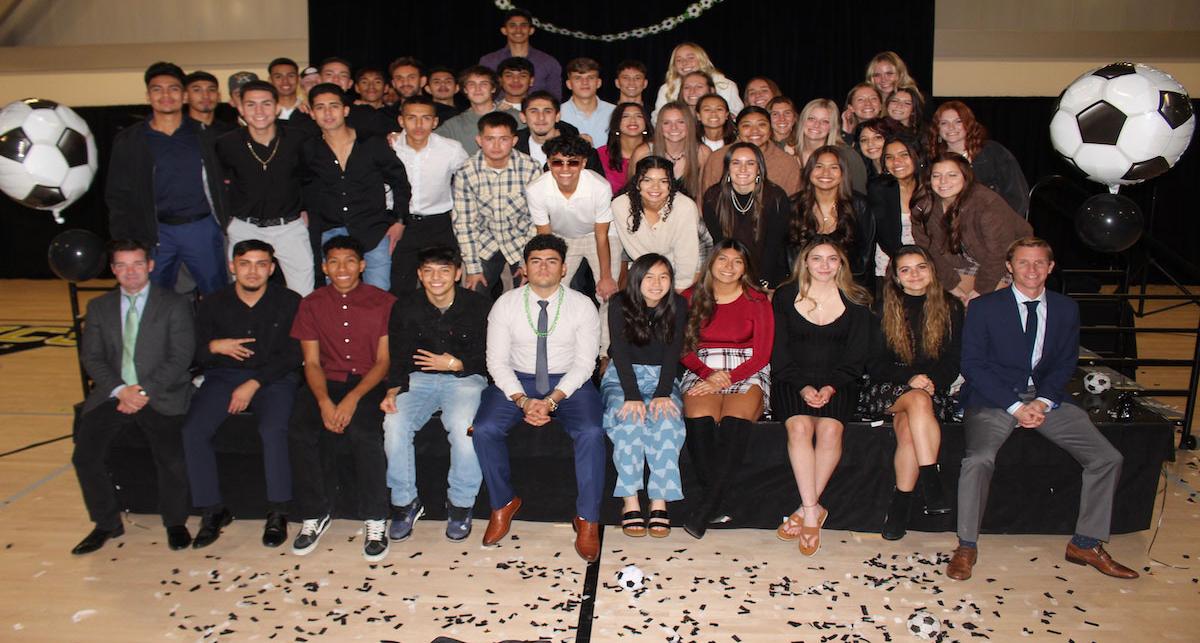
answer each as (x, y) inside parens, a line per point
(566, 162)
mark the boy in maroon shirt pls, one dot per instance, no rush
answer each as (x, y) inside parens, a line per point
(343, 333)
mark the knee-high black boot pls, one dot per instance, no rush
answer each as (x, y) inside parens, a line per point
(732, 439)
(701, 447)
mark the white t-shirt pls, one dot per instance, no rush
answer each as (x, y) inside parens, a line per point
(574, 217)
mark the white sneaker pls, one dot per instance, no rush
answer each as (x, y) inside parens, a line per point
(375, 542)
(310, 535)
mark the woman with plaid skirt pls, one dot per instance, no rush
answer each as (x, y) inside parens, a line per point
(642, 405)
(727, 353)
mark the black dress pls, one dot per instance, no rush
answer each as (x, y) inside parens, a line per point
(806, 354)
(889, 374)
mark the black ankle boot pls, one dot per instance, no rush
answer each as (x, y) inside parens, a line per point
(895, 523)
(929, 480)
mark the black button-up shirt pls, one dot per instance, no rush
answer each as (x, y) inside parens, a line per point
(254, 192)
(460, 331)
(178, 170)
(223, 315)
(353, 196)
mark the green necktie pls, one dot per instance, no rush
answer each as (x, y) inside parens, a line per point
(129, 341)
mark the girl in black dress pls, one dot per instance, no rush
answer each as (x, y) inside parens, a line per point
(914, 360)
(822, 334)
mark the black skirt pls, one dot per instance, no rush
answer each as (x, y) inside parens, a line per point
(878, 397)
(786, 401)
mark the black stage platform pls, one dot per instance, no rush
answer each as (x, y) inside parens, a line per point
(1035, 488)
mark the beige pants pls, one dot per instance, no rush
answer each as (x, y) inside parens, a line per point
(584, 248)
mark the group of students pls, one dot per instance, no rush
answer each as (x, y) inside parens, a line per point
(734, 261)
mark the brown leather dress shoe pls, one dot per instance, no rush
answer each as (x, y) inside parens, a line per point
(962, 562)
(499, 522)
(587, 539)
(1098, 558)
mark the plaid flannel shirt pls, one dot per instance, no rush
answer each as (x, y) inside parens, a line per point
(490, 213)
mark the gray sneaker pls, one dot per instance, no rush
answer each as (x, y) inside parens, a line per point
(310, 535)
(403, 519)
(458, 522)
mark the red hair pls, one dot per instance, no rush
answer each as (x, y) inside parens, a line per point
(976, 133)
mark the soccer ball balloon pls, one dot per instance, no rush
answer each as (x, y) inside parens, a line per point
(924, 625)
(47, 154)
(1123, 123)
(1096, 382)
(630, 577)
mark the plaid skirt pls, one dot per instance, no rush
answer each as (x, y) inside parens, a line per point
(727, 359)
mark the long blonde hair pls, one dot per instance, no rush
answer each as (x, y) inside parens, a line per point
(691, 147)
(903, 80)
(936, 325)
(835, 124)
(674, 80)
(844, 278)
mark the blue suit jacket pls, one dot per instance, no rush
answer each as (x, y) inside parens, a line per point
(994, 362)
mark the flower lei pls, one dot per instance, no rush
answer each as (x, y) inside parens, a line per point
(693, 11)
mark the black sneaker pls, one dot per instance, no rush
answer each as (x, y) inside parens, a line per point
(458, 522)
(310, 534)
(375, 541)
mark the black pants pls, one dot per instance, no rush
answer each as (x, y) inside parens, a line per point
(429, 231)
(314, 454)
(493, 267)
(93, 441)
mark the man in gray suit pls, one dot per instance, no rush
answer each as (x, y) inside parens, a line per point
(137, 345)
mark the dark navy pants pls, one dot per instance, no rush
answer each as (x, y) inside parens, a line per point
(200, 245)
(579, 415)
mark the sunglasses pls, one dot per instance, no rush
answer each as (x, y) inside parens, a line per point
(566, 162)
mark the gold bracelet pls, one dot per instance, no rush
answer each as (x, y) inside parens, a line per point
(520, 401)
(553, 405)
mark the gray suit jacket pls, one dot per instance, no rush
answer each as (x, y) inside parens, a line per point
(165, 345)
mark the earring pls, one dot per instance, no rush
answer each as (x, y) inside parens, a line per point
(758, 179)
(728, 179)
(645, 132)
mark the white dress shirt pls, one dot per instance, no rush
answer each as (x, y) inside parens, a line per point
(571, 347)
(429, 171)
(1039, 342)
(677, 238)
(576, 216)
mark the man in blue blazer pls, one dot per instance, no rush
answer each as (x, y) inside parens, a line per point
(137, 345)
(1020, 348)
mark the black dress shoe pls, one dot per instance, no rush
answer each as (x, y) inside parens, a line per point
(178, 537)
(96, 540)
(210, 528)
(275, 531)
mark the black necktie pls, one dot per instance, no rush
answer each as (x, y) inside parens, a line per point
(542, 372)
(1031, 328)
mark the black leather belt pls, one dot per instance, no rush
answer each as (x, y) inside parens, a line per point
(267, 223)
(181, 220)
(421, 217)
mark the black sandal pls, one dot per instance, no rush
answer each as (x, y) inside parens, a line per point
(659, 523)
(633, 524)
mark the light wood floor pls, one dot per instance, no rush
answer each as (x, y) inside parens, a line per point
(736, 585)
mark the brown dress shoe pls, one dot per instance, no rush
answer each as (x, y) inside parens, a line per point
(1098, 558)
(962, 562)
(587, 539)
(499, 522)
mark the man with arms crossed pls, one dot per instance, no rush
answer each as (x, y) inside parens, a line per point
(1017, 379)
(541, 350)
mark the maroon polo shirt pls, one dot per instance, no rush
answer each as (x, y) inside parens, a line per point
(347, 327)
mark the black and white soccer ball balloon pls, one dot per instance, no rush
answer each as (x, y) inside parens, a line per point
(47, 154)
(1123, 123)
(630, 577)
(924, 625)
(1096, 382)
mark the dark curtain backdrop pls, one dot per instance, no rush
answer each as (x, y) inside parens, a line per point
(744, 38)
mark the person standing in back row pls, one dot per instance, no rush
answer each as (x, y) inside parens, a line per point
(517, 29)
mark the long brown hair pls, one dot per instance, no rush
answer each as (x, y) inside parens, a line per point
(690, 181)
(951, 217)
(704, 304)
(725, 199)
(976, 133)
(806, 224)
(844, 278)
(936, 325)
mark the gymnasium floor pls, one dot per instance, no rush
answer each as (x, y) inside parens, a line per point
(735, 585)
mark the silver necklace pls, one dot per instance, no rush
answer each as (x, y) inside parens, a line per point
(739, 207)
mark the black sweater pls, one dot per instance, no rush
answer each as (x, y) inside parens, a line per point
(656, 352)
(768, 254)
(806, 354)
(886, 366)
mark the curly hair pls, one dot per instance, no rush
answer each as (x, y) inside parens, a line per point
(977, 134)
(636, 208)
(935, 326)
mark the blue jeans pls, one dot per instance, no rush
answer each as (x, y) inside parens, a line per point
(200, 245)
(378, 272)
(458, 398)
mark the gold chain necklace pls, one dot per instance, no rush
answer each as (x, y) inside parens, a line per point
(270, 157)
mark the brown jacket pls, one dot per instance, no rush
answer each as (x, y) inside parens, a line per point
(988, 227)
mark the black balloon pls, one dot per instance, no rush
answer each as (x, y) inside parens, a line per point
(76, 255)
(1109, 223)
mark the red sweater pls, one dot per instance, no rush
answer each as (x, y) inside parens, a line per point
(746, 322)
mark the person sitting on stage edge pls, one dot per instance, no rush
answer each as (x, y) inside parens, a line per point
(727, 352)
(249, 362)
(914, 361)
(1016, 379)
(542, 372)
(343, 333)
(436, 337)
(136, 346)
(642, 403)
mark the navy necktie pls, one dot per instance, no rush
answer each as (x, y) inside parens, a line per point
(1031, 328)
(542, 372)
